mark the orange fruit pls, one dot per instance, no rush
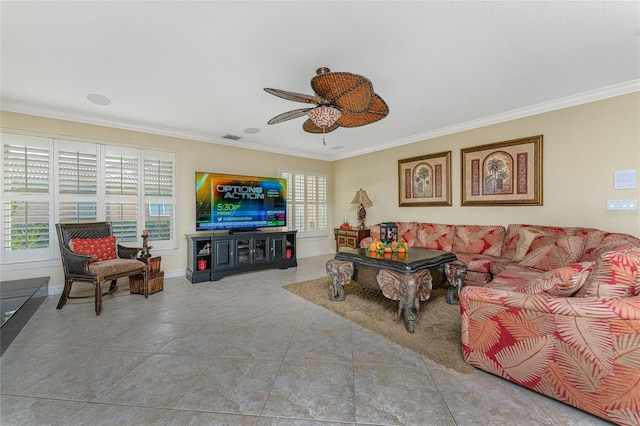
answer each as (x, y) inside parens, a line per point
(387, 249)
(372, 247)
(401, 250)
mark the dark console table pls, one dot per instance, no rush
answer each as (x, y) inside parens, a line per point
(19, 300)
(213, 256)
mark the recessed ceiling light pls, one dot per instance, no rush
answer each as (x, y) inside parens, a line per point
(252, 130)
(98, 99)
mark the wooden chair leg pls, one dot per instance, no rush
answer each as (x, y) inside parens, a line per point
(98, 287)
(65, 293)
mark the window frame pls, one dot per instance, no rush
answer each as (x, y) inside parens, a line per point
(56, 145)
(319, 205)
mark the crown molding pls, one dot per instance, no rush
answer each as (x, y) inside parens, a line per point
(47, 112)
(543, 107)
(566, 102)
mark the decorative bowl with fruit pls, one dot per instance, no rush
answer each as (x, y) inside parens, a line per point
(388, 247)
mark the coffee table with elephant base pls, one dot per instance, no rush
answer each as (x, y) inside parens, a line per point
(405, 277)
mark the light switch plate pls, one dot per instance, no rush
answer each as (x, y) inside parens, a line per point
(622, 204)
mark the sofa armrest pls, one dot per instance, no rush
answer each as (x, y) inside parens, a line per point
(582, 351)
(619, 308)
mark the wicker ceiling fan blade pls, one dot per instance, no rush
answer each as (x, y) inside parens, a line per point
(351, 92)
(289, 115)
(379, 106)
(330, 85)
(356, 120)
(310, 127)
(357, 100)
(378, 111)
(297, 97)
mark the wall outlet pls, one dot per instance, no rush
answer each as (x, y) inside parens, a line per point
(622, 204)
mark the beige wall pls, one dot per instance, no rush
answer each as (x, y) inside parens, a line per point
(582, 147)
(192, 156)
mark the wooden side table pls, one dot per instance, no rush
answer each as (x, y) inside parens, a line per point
(155, 276)
(349, 237)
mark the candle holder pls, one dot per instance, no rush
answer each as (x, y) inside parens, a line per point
(145, 246)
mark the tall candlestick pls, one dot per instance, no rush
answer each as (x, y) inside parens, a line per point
(145, 246)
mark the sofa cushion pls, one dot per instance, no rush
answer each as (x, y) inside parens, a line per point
(515, 277)
(548, 252)
(435, 236)
(499, 264)
(615, 274)
(99, 248)
(525, 238)
(597, 239)
(116, 267)
(563, 281)
(475, 239)
(476, 262)
(513, 233)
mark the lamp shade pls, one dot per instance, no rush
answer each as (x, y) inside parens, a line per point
(361, 197)
(324, 116)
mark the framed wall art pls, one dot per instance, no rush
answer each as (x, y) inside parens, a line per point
(503, 174)
(425, 180)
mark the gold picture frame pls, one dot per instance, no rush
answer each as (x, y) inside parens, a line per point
(503, 174)
(425, 180)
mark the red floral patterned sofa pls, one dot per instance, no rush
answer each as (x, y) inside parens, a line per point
(475, 245)
(489, 250)
(556, 311)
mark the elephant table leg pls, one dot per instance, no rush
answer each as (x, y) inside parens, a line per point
(456, 272)
(340, 273)
(409, 289)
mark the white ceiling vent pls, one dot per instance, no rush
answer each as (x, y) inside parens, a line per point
(232, 137)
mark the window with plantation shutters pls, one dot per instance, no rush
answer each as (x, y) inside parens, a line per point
(77, 182)
(47, 180)
(26, 199)
(121, 180)
(159, 172)
(307, 205)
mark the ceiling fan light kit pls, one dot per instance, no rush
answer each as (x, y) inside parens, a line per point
(342, 100)
(324, 117)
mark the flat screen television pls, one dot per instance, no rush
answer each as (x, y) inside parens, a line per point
(239, 203)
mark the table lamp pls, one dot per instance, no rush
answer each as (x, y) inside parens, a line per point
(362, 199)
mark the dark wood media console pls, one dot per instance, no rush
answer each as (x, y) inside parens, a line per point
(215, 255)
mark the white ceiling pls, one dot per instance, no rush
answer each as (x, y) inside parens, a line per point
(197, 69)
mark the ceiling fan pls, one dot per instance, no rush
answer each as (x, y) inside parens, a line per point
(341, 99)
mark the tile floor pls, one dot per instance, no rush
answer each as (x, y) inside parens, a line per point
(240, 351)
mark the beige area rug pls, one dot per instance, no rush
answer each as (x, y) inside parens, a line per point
(437, 333)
